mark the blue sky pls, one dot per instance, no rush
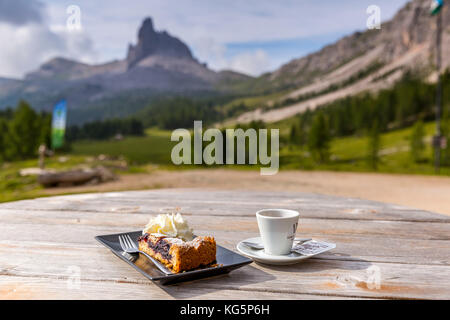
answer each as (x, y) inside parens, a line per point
(252, 36)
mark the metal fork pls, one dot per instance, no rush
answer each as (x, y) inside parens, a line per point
(128, 246)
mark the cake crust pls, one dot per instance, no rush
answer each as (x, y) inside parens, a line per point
(179, 255)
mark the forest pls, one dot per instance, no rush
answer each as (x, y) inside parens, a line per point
(409, 103)
(22, 130)
(100, 130)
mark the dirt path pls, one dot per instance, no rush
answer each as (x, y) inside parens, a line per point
(423, 192)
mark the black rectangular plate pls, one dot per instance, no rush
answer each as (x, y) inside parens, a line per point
(227, 261)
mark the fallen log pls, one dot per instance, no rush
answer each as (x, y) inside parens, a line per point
(76, 177)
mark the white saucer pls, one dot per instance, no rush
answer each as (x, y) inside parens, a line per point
(262, 257)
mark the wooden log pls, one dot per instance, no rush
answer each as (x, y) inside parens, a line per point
(75, 177)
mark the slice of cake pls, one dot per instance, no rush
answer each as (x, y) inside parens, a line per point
(179, 255)
(168, 239)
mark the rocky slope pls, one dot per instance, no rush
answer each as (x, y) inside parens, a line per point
(406, 42)
(410, 28)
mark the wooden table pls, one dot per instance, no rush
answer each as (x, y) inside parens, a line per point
(48, 249)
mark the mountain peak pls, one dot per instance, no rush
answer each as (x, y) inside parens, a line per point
(147, 27)
(151, 42)
(55, 66)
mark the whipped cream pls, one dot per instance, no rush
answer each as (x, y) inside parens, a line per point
(170, 225)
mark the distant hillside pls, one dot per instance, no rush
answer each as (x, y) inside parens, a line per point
(158, 63)
(368, 60)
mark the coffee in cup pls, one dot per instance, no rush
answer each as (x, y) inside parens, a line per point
(277, 228)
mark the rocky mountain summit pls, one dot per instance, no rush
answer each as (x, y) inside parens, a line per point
(151, 42)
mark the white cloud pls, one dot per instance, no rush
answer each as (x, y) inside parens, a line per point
(253, 63)
(30, 45)
(231, 20)
(113, 24)
(19, 12)
(208, 49)
(78, 46)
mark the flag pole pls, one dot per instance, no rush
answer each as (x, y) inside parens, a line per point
(438, 93)
(435, 10)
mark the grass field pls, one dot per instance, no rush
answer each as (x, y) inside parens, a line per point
(347, 154)
(155, 147)
(13, 186)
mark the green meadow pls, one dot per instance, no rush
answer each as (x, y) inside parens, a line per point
(349, 154)
(346, 154)
(155, 147)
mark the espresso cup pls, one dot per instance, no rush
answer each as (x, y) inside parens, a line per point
(277, 228)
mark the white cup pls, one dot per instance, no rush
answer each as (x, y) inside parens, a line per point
(277, 228)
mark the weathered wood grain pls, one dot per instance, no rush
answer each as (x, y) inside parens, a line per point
(26, 288)
(40, 240)
(397, 229)
(221, 203)
(383, 241)
(314, 276)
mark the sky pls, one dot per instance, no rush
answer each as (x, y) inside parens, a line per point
(251, 36)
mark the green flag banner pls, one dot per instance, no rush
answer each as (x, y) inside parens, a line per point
(59, 124)
(436, 6)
